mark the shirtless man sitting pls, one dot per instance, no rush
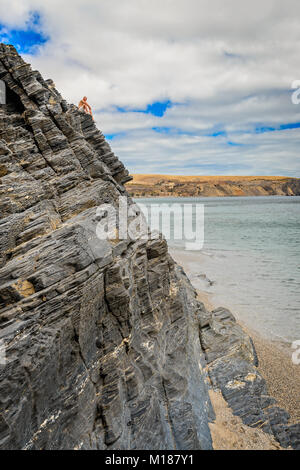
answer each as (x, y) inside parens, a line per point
(85, 107)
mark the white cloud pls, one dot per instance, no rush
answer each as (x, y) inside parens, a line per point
(230, 65)
(256, 154)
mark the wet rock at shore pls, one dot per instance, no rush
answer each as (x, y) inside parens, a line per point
(232, 365)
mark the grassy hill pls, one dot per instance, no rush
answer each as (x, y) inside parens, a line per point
(212, 186)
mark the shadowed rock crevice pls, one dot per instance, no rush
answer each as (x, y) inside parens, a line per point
(14, 103)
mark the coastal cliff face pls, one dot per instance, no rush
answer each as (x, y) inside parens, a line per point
(212, 186)
(101, 337)
(106, 345)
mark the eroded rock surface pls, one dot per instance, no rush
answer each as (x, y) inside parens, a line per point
(232, 366)
(101, 338)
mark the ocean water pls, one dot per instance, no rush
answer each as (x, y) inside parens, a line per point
(250, 261)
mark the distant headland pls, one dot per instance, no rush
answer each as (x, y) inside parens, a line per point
(212, 186)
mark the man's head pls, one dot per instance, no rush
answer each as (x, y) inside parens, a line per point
(84, 98)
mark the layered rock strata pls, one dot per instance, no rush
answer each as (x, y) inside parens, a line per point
(101, 338)
(104, 344)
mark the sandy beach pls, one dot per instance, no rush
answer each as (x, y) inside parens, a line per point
(229, 433)
(275, 359)
(281, 375)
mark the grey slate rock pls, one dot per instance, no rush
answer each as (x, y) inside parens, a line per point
(102, 338)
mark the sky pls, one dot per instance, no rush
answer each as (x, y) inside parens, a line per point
(179, 87)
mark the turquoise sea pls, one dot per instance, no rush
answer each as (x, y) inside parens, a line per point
(250, 261)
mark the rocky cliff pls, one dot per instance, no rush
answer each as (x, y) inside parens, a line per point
(101, 338)
(212, 186)
(105, 343)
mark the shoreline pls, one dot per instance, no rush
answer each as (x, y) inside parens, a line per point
(167, 196)
(229, 196)
(275, 363)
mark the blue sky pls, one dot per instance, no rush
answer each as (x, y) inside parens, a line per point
(194, 87)
(26, 38)
(157, 108)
